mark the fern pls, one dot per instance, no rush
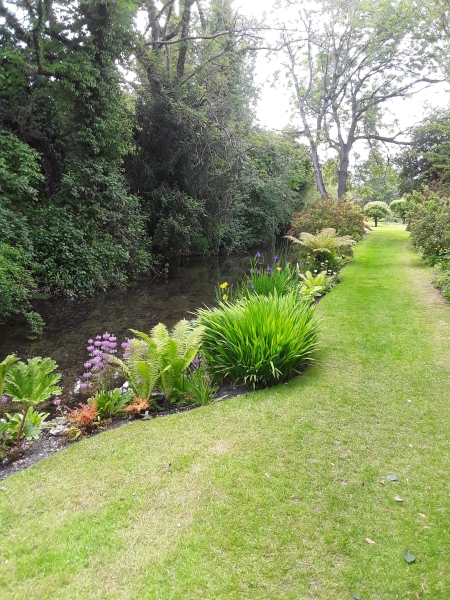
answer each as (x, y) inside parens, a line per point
(325, 241)
(159, 359)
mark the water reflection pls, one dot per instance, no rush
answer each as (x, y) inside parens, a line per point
(69, 324)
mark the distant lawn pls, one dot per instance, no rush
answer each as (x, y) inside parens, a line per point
(271, 495)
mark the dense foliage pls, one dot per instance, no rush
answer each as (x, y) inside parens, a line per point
(101, 176)
(424, 176)
(426, 162)
(346, 217)
(428, 217)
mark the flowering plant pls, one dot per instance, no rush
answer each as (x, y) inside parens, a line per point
(99, 374)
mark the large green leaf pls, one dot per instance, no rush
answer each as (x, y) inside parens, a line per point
(33, 382)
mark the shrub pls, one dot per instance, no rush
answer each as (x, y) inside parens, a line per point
(442, 280)
(428, 218)
(16, 282)
(346, 217)
(377, 210)
(260, 340)
(262, 279)
(82, 419)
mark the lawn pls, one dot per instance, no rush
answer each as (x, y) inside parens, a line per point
(271, 495)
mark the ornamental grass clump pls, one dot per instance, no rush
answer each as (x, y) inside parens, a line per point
(259, 340)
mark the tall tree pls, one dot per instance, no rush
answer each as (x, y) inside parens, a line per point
(346, 61)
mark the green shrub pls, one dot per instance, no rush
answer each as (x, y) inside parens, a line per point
(263, 279)
(10, 427)
(346, 217)
(442, 280)
(16, 282)
(428, 218)
(260, 340)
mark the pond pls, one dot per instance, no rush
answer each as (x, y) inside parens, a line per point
(189, 285)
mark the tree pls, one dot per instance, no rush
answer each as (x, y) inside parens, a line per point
(376, 179)
(398, 207)
(376, 210)
(426, 162)
(346, 60)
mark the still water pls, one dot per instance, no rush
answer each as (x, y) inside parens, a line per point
(189, 285)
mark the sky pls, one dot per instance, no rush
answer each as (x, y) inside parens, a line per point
(273, 110)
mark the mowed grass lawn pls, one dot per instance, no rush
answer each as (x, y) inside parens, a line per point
(271, 495)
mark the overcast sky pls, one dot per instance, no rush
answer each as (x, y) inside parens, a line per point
(273, 109)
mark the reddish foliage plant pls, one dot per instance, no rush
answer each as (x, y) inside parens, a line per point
(84, 416)
(346, 217)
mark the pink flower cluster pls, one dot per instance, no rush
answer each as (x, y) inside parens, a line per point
(96, 367)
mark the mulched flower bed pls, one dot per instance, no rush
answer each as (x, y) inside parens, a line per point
(47, 444)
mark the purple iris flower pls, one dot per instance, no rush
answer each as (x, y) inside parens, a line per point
(258, 255)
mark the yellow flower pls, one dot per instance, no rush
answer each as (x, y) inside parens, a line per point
(278, 269)
(225, 297)
(223, 285)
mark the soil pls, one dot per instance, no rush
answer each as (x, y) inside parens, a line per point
(35, 450)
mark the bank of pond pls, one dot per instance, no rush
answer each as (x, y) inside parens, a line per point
(259, 332)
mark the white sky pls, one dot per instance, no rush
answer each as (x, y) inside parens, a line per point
(273, 109)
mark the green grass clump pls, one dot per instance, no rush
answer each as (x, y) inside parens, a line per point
(260, 340)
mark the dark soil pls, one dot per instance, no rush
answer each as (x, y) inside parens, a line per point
(46, 445)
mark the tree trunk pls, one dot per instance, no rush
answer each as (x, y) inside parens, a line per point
(317, 170)
(185, 20)
(376, 221)
(343, 171)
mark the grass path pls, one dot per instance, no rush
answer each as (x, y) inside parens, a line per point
(268, 496)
